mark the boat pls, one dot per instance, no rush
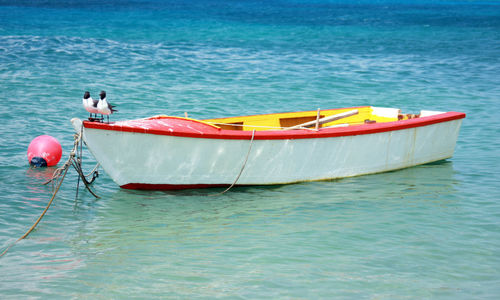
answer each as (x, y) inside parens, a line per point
(171, 152)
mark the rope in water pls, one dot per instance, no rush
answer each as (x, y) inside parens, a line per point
(241, 170)
(40, 217)
(57, 180)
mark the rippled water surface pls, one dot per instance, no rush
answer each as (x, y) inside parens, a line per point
(431, 231)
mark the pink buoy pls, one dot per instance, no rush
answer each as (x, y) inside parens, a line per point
(44, 151)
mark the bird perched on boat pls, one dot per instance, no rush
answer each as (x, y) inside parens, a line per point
(104, 107)
(90, 105)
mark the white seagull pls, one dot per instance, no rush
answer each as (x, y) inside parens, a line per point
(90, 104)
(104, 107)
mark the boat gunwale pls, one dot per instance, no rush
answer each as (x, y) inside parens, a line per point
(213, 133)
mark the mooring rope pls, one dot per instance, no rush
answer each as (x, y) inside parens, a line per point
(241, 170)
(57, 180)
(94, 170)
(41, 216)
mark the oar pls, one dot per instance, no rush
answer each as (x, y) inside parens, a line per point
(325, 119)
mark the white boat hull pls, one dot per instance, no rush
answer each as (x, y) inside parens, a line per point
(151, 161)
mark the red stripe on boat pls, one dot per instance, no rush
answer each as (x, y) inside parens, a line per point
(174, 126)
(147, 186)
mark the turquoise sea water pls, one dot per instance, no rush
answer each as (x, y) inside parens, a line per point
(431, 231)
